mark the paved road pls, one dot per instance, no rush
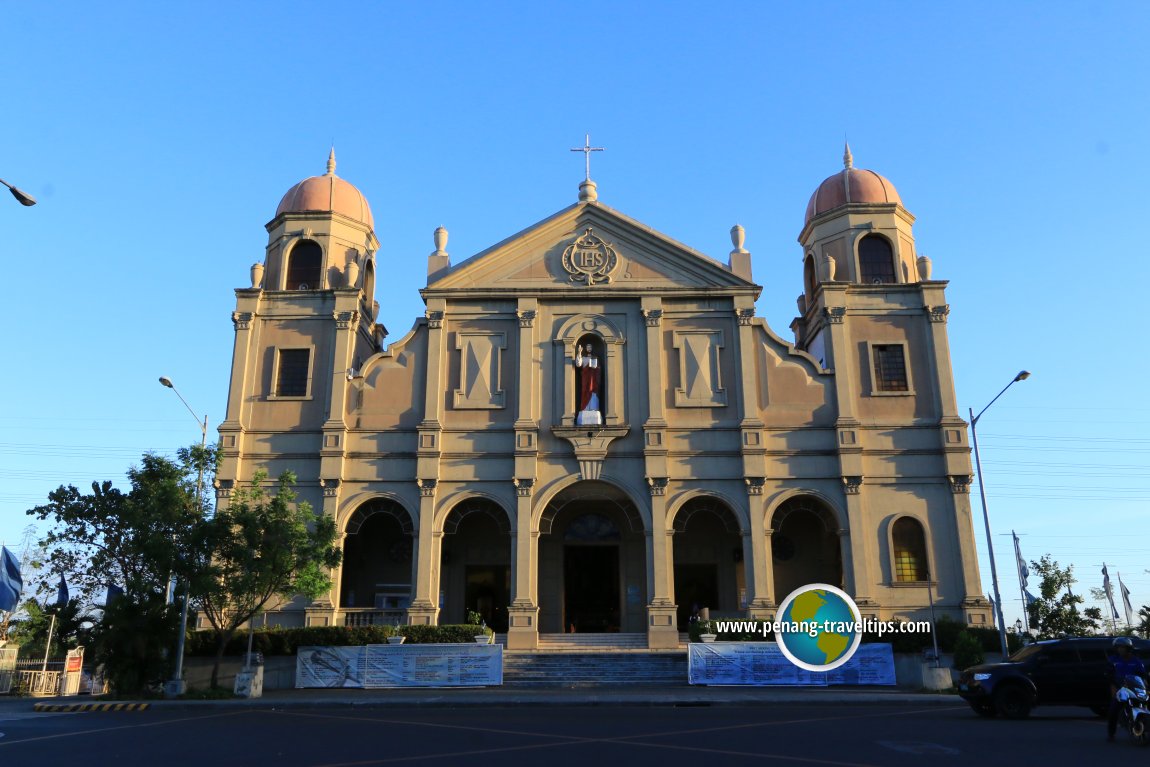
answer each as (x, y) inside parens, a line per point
(598, 736)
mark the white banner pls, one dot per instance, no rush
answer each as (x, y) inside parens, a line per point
(763, 664)
(416, 665)
(330, 666)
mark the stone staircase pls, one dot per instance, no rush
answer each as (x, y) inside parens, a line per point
(587, 660)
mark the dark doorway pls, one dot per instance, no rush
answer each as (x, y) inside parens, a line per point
(696, 586)
(487, 592)
(591, 588)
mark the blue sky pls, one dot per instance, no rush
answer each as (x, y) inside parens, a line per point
(159, 138)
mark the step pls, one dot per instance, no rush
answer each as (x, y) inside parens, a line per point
(542, 668)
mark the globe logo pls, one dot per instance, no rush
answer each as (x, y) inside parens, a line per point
(824, 625)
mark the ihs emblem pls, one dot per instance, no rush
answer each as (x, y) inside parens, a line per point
(589, 259)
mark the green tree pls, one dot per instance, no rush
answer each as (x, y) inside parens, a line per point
(136, 540)
(1055, 612)
(72, 627)
(1143, 626)
(262, 547)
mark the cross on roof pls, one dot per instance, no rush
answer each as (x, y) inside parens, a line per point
(587, 149)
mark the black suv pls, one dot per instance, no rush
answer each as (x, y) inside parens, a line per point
(1064, 672)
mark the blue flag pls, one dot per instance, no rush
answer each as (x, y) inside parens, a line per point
(62, 592)
(11, 584)
(114, 593)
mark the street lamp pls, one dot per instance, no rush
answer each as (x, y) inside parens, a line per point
(1022, 376)
(176, 685)
(24, 198)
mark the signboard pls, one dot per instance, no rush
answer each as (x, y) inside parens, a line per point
(416, 665)
(763, 664)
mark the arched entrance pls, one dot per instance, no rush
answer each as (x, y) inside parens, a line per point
(377, 560)
(475, 564)
(805, 545)
(708, 558)
(592, 562)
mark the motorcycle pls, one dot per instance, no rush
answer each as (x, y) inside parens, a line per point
(1135, 709)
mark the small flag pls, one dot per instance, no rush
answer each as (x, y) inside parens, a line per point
(11, 584)
(1126, 601)
(1023, 570)
(114, 593)
(1030, 598)
(1109, 591)
(62, 592)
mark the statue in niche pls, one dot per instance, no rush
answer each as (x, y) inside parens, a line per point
(588, 383)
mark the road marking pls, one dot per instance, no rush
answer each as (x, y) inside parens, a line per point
(75, 707)
(568, 740)
(917, 747)
(57, 736)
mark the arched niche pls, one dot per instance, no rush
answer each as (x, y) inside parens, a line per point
(607, 336)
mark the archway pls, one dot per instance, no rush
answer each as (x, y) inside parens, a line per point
(708, 559)
(805, 545)
(475, 564)
(378, 551)
(592, 562)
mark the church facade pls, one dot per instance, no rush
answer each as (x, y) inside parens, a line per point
(589, 430)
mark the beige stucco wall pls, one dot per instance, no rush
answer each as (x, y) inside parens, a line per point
(412, 424)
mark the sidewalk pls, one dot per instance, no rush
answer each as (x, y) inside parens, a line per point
(673, 695)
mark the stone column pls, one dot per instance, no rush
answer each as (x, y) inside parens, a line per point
(858, 566)
(757, 556)
(662, 631)
(424, 609)
(523, 612)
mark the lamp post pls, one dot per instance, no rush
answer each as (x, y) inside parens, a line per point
(1022, 376)
(23, 198)
(176, 685)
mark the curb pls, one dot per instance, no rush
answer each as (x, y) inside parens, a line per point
(59, 707)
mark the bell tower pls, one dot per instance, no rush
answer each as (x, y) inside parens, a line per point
(871, 313)
(303, 328)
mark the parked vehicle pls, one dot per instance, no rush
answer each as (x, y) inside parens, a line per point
(1067, 672)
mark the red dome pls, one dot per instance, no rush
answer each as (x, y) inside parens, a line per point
(327, 193)
(850, 185)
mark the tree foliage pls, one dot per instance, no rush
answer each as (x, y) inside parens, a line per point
(262, 546)
(137, 541)
(72, 627)
(1055, 612)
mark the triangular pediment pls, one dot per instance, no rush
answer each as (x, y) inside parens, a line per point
(589, 246)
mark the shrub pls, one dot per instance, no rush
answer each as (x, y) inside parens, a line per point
(967, 650)
(286, 641)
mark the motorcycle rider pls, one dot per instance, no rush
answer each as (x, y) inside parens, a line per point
(1123, 663)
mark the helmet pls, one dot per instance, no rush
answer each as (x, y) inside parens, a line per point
(1126, 642)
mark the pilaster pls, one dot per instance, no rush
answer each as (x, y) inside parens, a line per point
(758, 555)
(662, 613)
(424, 609)
(751, 442)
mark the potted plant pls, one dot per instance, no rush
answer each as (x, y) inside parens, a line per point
(707, 632)
(483, 635)
(701, 630)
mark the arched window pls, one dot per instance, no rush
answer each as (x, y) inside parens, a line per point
(876, 260)
(369, 280)
(304, 264)
(810, 281)
(909, 543)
